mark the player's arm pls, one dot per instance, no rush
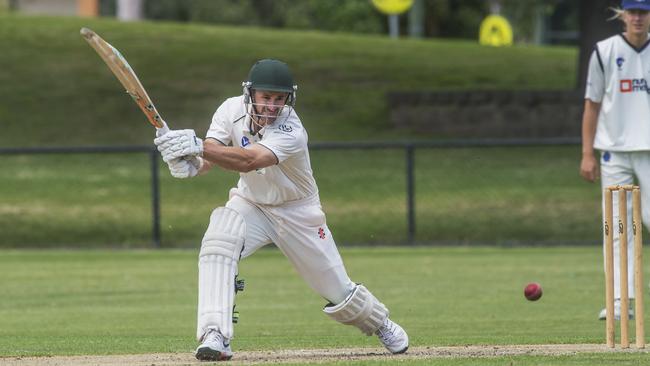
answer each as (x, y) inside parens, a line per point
(589, 169)
(255, 156)
(594, 93)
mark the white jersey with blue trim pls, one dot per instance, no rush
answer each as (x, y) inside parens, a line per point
(618, 79)
(289, 180)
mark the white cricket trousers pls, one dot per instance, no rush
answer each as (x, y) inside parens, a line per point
(620, 168)
(299, 230)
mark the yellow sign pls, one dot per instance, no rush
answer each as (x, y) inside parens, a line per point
(392, 7)
(495, 31)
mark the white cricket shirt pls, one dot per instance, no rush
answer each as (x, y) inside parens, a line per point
(618, 79)
(289, 180)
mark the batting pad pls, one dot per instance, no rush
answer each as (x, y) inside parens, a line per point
(361, 309)
(218, 259)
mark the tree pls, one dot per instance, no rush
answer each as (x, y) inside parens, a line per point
(594, 26)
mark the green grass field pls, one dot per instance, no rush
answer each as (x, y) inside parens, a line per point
(58, 301)
(506, 196)
(463, 195)
(65, 94)
(121, 302)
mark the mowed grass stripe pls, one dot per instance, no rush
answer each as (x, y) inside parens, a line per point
(494, 196)
(118, 302)
(189, 69)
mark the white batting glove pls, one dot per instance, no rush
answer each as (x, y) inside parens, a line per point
(185, 168)
(162, 130)
(178, 143)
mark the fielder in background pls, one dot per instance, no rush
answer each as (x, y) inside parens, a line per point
(259, 135)
(616, 120)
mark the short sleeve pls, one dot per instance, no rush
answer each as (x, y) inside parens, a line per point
(220, 128)
(595, 88)
(285, 140)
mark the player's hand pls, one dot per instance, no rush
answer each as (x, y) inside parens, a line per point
(178, 143)
(589, 169)
(185, 168)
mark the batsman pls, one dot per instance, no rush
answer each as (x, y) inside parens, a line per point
(259, 135)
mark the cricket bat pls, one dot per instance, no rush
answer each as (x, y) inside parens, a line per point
(127, 77)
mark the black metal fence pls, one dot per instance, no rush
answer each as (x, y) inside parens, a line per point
(409, 149)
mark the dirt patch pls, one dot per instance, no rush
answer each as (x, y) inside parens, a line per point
(315, 355)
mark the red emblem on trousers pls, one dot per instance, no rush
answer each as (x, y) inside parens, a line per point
(321, 233)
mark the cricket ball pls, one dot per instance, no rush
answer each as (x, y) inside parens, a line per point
(533, 291)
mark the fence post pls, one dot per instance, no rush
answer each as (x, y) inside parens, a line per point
(410, 193)
(155, 198)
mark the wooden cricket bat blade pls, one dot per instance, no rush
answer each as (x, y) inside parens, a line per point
(125, 75)
(87, 33)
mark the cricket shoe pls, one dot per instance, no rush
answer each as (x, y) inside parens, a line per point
(617, 311)
(214, 347)
(393, 337)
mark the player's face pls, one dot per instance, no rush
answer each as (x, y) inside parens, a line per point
(636, 21)
(268, 105)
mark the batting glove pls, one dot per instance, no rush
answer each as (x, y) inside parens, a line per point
(162, 130)
(177, 144)
(185, 168)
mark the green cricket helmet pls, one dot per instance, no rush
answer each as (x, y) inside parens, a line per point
(271, 75)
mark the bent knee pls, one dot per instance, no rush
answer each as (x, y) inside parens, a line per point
(225, 234)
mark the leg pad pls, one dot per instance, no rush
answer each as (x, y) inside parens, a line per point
(361, 309)
(218, 261)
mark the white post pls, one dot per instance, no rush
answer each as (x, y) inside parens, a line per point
(495, 7)
(129, 10)
(393, 25)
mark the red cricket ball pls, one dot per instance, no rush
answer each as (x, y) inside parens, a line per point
(533, 291)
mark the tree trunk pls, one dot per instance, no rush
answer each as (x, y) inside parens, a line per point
(416, 19)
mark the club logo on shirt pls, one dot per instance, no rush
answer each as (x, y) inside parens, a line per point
(619, 62)
(321, 233)
(285, 128)
(634, 85)
(245, 141)
(607, 156)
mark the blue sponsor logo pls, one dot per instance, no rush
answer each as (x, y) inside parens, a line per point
(245, 141)
(607, 156)
(619, 62)
(285, 128)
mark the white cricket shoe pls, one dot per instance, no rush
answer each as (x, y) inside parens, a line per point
(393, 337)
(214, 347)
(617, 311)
